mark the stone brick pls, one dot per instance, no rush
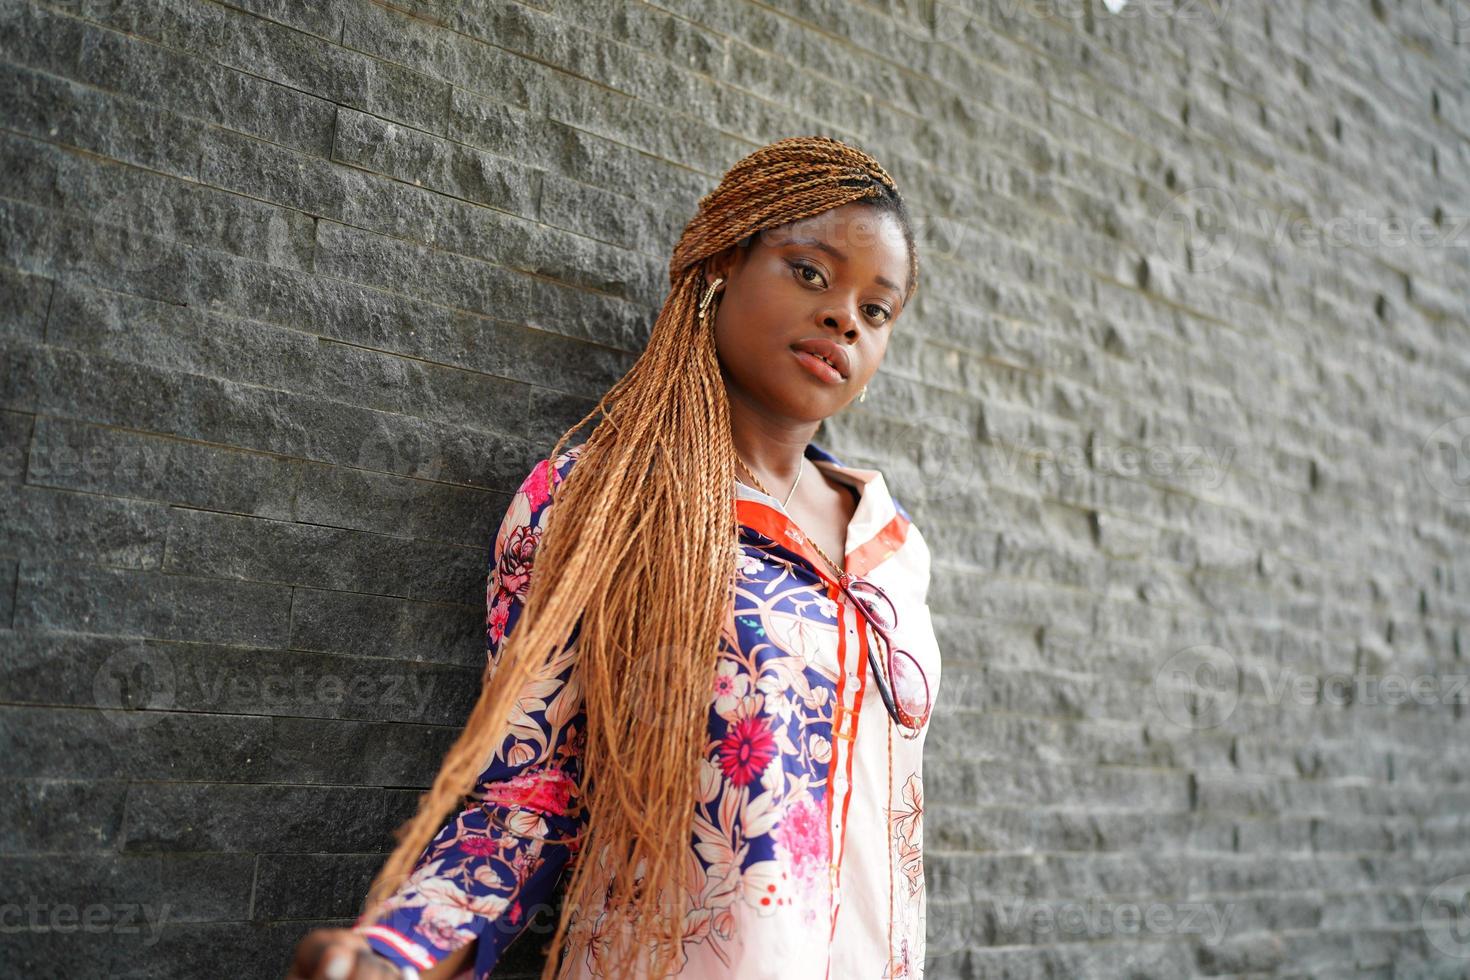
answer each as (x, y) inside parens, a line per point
(293, 295)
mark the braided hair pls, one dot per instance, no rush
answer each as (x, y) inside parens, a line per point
(640, 554)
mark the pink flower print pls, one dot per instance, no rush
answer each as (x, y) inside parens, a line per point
(479, 846)
(544, 790)
(745, 750)
(803, 833)
(497, 617)
(731, 684)
(514, 570)
(537, 485)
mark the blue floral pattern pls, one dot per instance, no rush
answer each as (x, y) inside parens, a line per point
(769, 862)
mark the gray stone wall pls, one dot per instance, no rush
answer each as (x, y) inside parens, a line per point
(295, 292)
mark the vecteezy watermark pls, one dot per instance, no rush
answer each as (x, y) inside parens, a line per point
(1200, 14)
(992, 921)
(410, 460)
(125, 228)
(137, 686)
(1202, 228)
(1200, 686)
(1342, 688)
(122, 918)
(1362, 229)
(1445, 916)
(938, 454)
(1202, 466)
(98, 10)
(937, 235)
(1445, 458)
(1100, 918)
(647, 671)
(930, 20)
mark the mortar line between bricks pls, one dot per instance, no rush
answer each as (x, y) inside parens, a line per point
(144, 367)
(1025, 123)
(1349, 637)
(341, 660)
(253, 14)
(1078, 188)
(1155, 297)
(409, 725)
(1043, 373)
(558, 69)
(1100, 160)
(365, 56)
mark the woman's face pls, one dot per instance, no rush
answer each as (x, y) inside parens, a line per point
(835, 279)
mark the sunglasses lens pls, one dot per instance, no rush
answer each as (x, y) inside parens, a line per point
(910, 688)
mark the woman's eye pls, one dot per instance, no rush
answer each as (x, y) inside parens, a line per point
(876, 312)
(802, 270)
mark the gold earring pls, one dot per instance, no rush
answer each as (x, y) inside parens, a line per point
(708, 298)
(864, 393)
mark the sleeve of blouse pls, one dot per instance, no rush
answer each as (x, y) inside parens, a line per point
(489, 872)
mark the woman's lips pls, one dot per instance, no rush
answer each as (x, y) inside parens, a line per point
(818, 368)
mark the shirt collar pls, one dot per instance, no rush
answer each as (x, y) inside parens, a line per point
(877, 526)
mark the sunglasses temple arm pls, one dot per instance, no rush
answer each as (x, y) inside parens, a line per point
(883, 691)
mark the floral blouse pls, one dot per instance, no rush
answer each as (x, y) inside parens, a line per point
(808, 829)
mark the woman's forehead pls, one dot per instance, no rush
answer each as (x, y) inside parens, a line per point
(864, 232)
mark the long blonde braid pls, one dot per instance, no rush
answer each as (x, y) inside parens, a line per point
(640, 550)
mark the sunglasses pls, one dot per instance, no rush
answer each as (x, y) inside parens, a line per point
(902, 684)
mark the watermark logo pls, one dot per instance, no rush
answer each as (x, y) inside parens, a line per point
(1445, 916)
(1198, 687)
(1450, 19)
(648, 673)
(135, 687)
(409, 459)
(1445, 459)
(1201, 224)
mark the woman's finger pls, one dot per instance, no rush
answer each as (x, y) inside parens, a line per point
(336, 954)
(309, 953)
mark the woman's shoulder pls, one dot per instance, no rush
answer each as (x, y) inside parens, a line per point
(531, 504)
(547, 473)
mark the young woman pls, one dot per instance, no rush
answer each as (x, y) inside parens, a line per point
(706, 706)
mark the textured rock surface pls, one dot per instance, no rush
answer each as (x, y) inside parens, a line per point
(292, 295)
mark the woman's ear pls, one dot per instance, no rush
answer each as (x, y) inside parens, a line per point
(719, 265)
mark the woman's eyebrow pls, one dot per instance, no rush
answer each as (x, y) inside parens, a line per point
(840, 257)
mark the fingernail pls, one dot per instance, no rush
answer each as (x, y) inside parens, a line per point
(339, 968)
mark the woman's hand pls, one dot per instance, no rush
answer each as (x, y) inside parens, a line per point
(339, 954)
